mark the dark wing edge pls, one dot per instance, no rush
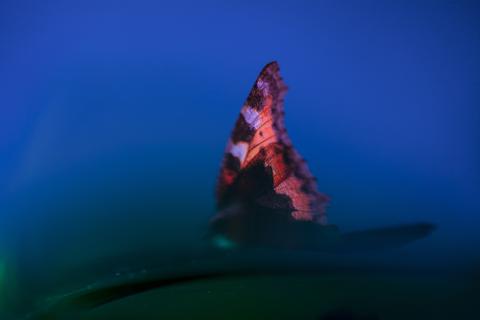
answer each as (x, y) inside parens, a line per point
(278, 89)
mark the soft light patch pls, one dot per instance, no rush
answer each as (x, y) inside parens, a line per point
(2, 284)
(223, 242)
(2, 274)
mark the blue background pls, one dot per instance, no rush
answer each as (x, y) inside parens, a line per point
(114, 116)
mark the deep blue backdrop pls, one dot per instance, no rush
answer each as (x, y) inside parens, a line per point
(135, 97)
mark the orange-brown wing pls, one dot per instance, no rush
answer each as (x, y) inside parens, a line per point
(259, 136)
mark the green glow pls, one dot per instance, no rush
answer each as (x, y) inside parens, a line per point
(2, 284)
(2, 274)
(223, 242)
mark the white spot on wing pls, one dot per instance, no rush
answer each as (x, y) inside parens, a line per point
(263, 86)
(251, 117)
(239, 150)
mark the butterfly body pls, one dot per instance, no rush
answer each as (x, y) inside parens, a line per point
(253, 214)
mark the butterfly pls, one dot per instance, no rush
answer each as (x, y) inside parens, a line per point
(266, 194)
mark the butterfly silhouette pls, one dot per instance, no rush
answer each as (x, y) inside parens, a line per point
(266, 195)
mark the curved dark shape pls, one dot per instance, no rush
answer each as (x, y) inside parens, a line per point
(265, 264)
(266, 195)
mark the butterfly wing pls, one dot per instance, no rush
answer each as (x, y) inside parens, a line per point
(261, 166)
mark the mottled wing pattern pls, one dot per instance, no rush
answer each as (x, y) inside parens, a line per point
(259, 136)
